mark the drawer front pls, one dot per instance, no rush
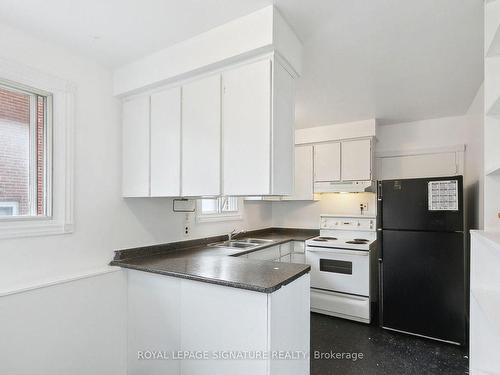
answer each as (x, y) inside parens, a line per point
(271, 253)
(298, 258)
(286, 258)
(338, 304)
(285, 248)
(299, 246)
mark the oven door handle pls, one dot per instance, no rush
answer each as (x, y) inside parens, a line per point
(338, 251)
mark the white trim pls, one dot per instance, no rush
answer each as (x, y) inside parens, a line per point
(216, 217)
(423, 151)
(58, 281)
(336, 132)
(261, 31)
(12, 204)
(33, 156)
(61, 159)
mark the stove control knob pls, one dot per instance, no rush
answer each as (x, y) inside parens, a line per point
(359, 224)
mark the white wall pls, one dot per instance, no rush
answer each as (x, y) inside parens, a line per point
(103, 222)
(306, 214)
(70, 328)
(441, 133)
(427, 134)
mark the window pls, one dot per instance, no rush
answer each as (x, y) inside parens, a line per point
(24, 150)
(219, 209)
(37, 119)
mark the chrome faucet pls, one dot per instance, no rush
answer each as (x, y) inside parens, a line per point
(234, 233)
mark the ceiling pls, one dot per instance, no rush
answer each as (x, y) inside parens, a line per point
(392, 60)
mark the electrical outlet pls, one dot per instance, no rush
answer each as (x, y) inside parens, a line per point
(187, 226)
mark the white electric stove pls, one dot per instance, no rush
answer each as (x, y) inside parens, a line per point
(340, 266)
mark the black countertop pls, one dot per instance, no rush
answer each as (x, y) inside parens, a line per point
(195, 260)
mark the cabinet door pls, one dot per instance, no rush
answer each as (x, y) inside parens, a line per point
(327, 162)
(246, 129)
(303, 180)
(271, 253)
(285, 249)
(201, 132)
(299, 246)
(298, 258)
(286, 258)
(283, 131)
(166, 143)
(356, 160)
(135, 147)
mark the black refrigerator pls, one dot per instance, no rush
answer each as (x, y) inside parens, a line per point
(422, 257)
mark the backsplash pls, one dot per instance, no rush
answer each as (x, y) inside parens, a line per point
(306, 214)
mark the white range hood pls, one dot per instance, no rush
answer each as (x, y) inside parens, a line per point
(344, 186)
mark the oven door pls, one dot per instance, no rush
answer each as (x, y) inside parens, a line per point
(339, 270)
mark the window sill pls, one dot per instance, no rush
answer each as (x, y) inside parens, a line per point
(216, 218)
(33, 228)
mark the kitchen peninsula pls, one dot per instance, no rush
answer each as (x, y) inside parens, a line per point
(205, 306)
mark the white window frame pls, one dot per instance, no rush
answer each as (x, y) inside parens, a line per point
(47, 152)
(61, 158)
(13, 205)
(219, 216)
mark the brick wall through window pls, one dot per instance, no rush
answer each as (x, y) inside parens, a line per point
(15, 151)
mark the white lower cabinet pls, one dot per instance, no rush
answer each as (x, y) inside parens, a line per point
(270, 253)
(484, 339)
(176, 316)
(299, 246)
(286, 258)
(288, 252)
(298, 258)
(285, 248)
(280, 253)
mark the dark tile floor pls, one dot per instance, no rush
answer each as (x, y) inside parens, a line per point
(384, 352)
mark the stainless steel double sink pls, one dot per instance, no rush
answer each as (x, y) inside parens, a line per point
(244, 243)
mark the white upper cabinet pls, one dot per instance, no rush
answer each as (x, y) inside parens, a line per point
(135, 136)
(201, 137)
(246, 129)
(166, 143)
(349, 160)
(303, 185)
(196, 140)
(258, 114)
(283, 131)
(327, 162)
(356, 160)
